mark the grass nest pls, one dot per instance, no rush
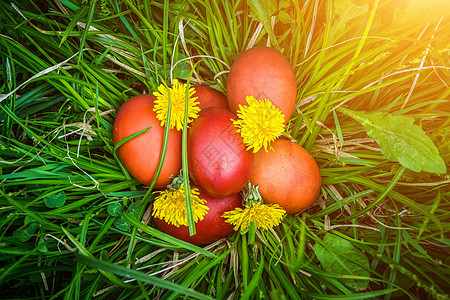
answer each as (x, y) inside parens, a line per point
(372, 77)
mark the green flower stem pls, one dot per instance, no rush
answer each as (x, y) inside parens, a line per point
(187, 187)
(147, 197)
(244, 255)
(251, 233)
(161, 158)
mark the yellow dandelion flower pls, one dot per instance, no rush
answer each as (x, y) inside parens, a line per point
(264, 216)
(259, 123)
(177, 99)
(170, 206)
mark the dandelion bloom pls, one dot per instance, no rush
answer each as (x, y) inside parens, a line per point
(264, 216)
(170, 206)
(177, 95)
(259, 123)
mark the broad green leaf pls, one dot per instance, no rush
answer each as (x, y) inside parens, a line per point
(28, 220)
(183, 71)
(35, 188)
(401, 140)
(24, 235)
(55, 200)
(121, 222)
(133, 209)
(115, 209)
(339, 257)
(21, 235)
(41, 245)
(36, 277)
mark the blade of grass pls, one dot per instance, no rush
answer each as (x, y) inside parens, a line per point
(397, 196)
(31, 213)
(165, 237)
(256, 278)
(17, 263)
(130, 273)
(73, 22)
(164, 34)
(201, 269)
(130, 137)
(366, 295)
(143, 19)
(85, 253)
(263, 15)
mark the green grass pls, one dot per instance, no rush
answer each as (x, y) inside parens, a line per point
(65, 81)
